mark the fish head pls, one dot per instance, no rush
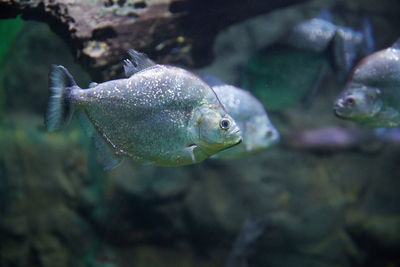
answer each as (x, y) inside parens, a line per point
(213, 129)
(259, 133)
(358, 102)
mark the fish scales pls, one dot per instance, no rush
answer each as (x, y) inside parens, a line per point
(372, 95)
(379, 69)
(160, 114)
(150, 107)
(257, 130)
(248, 112)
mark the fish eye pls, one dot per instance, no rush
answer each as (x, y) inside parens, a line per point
(350, 100)
(225, 123)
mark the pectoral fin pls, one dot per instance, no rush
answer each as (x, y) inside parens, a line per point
(190, 151)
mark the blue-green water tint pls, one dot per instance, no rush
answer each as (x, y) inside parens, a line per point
(320, 207)
(281, 76)
(9, 28)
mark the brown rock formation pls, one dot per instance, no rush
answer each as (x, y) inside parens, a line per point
(100, 31)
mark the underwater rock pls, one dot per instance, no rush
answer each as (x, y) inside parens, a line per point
(384, 231)
(34, 45)
(169, 30)
(252, 230)
(45, 202)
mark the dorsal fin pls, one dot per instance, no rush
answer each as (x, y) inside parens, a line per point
(325, 14)
(368, 44)
(396, 44)
(137, 62)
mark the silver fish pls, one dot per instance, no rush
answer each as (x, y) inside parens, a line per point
(372, 94)
(344, 44)
(160, 114)
(248, 112)
(314, 34)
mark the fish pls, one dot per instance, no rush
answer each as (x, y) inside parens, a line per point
(159, 114)
(314, 34)
(343, 45)
(332, 138)
(257, 130)
(372, 94)
(349, 45)
(246, 241)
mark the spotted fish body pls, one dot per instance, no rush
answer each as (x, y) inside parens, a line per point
(161, 115)
(248, 112)
(372, 95)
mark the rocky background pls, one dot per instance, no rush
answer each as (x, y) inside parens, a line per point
(292, 205)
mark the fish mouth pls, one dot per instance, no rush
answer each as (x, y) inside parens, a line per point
(336, 110)
(235, 144)
(337, 113)
(235, 132)
(339, 105)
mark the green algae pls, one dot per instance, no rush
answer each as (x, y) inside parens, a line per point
(8, 30)
(281, 76)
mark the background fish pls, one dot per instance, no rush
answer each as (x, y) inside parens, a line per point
(343, 45)
(314, 34)
(257, 130)
(161, 114)
(372, 95)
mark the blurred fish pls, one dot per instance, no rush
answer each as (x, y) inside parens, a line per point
(343, 44)
(372, 96)
(350, 45)
(336, 138)
(161, 115)
(257, 130)
(250, 234)
(314, 34)
(390, 136)
(332, 138)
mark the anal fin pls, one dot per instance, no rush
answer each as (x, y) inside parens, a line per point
(106, 154)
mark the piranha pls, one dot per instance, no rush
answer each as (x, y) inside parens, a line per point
(248, 112)
(372, 94)
(343, 45)
(159, 114)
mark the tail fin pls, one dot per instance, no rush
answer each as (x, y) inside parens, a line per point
(59, 109)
